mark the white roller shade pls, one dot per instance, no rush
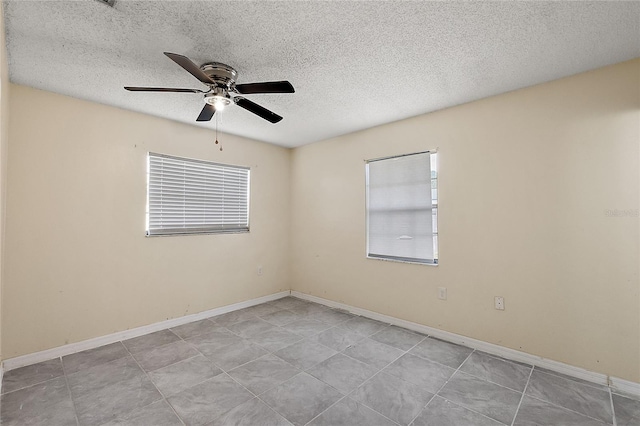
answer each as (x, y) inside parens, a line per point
(399, 208)
(191, 196)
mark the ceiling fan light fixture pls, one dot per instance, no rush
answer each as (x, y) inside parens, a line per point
(219, 102)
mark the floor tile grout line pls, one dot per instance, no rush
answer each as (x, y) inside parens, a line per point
(489, 381)
(205, 333)
(172, 364)
(458, 404)
(269, 406)
(570, 410)
(258, 317)
(69, 373)
(164, 398)
(326, 346)
(613, 409)
(356, 359)
(378, 373)
(289, 379)
(193, 385)
(573, 379)
(625, 395)
(442, 386)
(35, 384)
(367, 380)
(400, 356)
(162, 346)
(218, 366)
(386, 325)
(145, 335)
(257, 396)
(515, 415)
(195, 335)
(310, 367)
(439, 363)
(245, 339)
(567, 409)
(498, 357)
(73, 402)
(357, 402)
(113, 361)
(274, 410)
(495, 383)
(323, 411)
(212, 320)
(223, 371)
(352, 391)
(241, 365)
(281, 327)
(389, 363)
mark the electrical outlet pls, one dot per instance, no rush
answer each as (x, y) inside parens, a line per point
(259, 270)
(442, 293)
(499, 301)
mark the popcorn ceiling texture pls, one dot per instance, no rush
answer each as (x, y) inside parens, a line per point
(354, 64)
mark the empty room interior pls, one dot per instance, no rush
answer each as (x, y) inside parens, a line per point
(319, 213)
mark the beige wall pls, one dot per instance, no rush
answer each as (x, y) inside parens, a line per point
(4, 142)
(77, 262)
(525, 179)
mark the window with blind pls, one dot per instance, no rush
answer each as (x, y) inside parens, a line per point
(188, 196)
(402, 208)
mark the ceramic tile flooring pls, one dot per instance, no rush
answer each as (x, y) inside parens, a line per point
(294, 362)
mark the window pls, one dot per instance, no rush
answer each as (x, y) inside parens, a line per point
(187, 196)
(402, 208)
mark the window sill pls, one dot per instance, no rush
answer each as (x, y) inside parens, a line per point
(186, 234)
(389, 259)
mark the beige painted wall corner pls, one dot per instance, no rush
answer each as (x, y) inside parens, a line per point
(529, 185)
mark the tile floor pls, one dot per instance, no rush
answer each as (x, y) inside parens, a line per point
(294, 362)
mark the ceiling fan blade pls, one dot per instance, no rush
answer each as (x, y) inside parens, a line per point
(207, 113)
(189, 66)
(265, 87)
(162, 89)
(257, 109)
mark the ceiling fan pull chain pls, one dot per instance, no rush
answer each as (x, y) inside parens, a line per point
(217, 133)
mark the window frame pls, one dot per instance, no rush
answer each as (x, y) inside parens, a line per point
(434, 158)
(204, 230)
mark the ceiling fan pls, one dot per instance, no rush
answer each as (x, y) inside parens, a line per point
(223, 89)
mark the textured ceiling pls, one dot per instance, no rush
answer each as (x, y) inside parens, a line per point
(354, 65)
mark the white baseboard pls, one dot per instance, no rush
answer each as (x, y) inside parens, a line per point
(615, 383)
(34, 358)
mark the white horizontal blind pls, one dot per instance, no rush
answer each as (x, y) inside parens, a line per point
(400, 209)
(196, 197)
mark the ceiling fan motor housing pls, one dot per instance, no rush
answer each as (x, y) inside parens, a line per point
(222, 74)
